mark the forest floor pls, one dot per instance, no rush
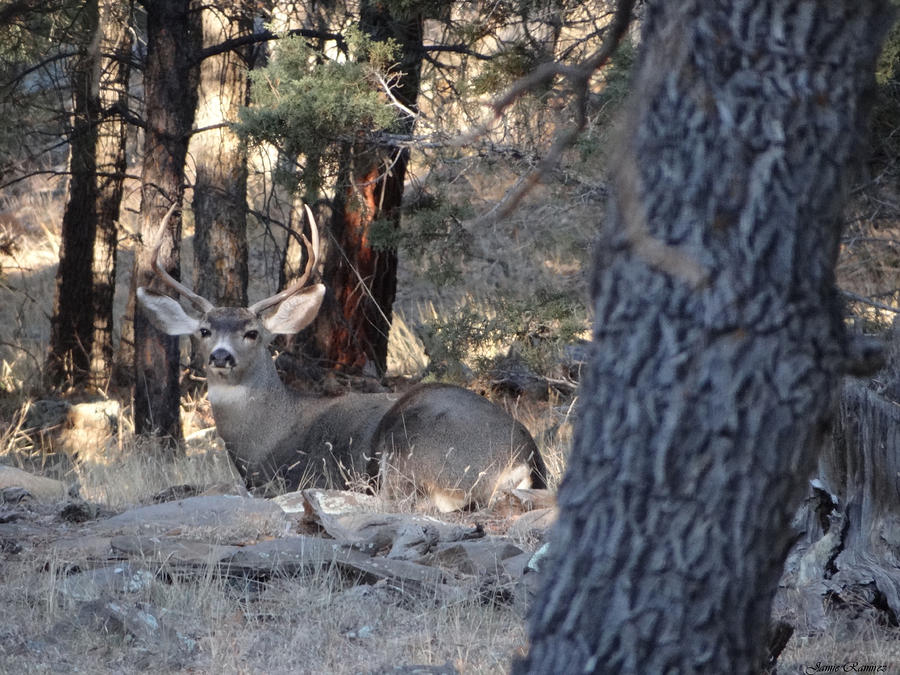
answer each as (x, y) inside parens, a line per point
(312, 622)
(85, 590)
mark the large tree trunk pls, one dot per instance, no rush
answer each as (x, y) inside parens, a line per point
(719, 341)
(170, 91)
(115, 48)
(71, 326)
(220, 190)
(352, 327)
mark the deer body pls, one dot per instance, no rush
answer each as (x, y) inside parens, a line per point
(272, 432)
(438, 440)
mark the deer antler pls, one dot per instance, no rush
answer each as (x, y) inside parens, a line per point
(312, 250)
(197, 301)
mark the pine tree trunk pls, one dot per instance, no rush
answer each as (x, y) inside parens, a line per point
(115, 48)
(352, 327)
(719, 340)
(170, 91)
(220, 190)
(71, 325)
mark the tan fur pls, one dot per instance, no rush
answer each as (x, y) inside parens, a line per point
(439, 441)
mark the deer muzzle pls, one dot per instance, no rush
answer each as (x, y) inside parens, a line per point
(221, 358)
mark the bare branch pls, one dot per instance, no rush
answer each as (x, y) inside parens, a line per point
(211, 127)
(389, 91)
(579, 77)
(579, 74)
(853, 297)
(266, 36)
(19, 77)
(19, 8)
(455, 49)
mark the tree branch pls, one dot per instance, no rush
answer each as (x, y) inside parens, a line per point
(266, 36)
(456, 49)
(19, 8)
(14, 82)
(579, 76)
(853, 297)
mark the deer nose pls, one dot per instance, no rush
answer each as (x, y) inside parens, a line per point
(221, 358)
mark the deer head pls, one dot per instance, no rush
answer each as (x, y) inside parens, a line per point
(233, 340)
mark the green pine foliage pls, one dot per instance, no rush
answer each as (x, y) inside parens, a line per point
(504, 69)
(536, 327)
(432, 234)
(305, 103)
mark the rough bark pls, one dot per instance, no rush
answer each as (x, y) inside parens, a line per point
(220, 189)
(353, 325)
(170, 91)
(71, 325)
(719, 341)
(115, 55)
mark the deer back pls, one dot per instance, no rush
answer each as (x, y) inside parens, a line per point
(321, 442)
(456, 446)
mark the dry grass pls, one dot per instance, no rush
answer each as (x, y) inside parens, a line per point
(315, 623)
(864, 644)
(870, 256)
(319, 623)
(26, 290)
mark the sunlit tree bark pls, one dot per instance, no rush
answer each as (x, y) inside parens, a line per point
(115, 58)
(220, 189)
(352, 327)
(170, 91)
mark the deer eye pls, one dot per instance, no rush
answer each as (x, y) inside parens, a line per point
(251, 334)
(205, 332)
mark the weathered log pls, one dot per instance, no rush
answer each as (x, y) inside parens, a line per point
(851, 545)
(862, 469)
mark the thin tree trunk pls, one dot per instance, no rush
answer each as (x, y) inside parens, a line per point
(719, 339)
(71, 326)
(220, 190)
(170, 91)
(115, 48)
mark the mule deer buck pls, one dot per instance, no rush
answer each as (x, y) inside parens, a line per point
(441, 441)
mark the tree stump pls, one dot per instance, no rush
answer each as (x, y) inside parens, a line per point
(850, 550)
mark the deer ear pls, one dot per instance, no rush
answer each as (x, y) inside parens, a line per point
(295, 312)
(165, 313)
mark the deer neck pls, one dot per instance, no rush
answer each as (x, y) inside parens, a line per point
(254, 415)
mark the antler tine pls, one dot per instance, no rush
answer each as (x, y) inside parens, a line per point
(198, 301)
(312, 250)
